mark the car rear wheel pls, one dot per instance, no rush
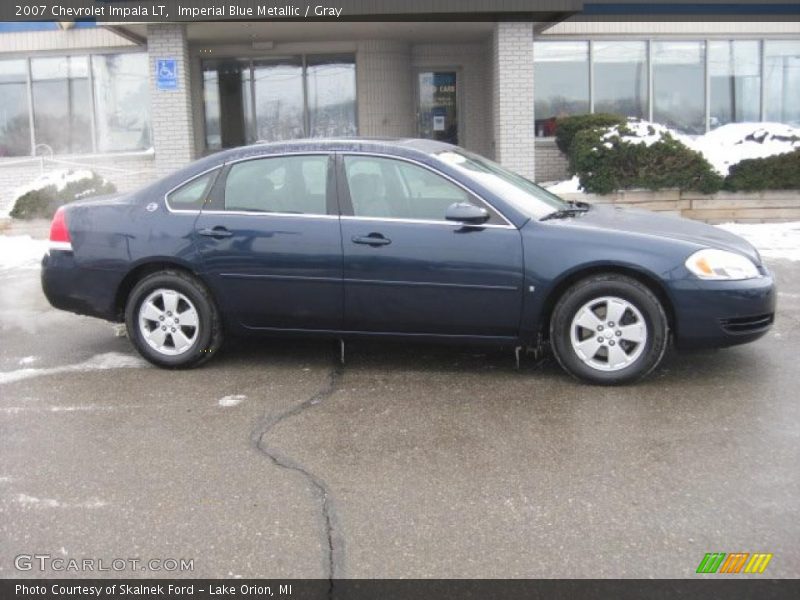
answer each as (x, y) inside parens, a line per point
(609, 329)
(172, 320)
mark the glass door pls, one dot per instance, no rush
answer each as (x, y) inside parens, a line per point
(437, 105)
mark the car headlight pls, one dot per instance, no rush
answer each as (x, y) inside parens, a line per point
(721, 265)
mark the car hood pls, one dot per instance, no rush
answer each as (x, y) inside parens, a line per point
(645, 222)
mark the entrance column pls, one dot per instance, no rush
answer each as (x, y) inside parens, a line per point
(170, 96)
(512, 96)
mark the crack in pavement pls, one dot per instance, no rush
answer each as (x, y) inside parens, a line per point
(334, 543)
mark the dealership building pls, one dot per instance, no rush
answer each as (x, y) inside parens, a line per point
(137, 100)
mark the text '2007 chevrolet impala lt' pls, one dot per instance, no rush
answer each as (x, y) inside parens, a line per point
(406, 239)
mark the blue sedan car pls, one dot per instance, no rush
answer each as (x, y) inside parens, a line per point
(404, 239)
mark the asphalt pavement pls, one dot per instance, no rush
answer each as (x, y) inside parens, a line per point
(274, 460)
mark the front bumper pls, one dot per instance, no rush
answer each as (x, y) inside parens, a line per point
(722, 313)
(77, 289)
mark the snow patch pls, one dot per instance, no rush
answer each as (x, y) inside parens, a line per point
(28, 360)
(642, 132)
(772, 240)
(722, 147)
(228, 401)
(100, 362)
(570, 186)
(730, 144)
(59, 178)
(21, 252)
(32, 501)
(13, 410)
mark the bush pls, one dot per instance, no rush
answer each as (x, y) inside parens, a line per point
(568, 127)
(605, 161)
(54, 190)
(778, 172)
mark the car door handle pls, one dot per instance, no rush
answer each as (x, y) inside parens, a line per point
(216, 232)
(373, 239)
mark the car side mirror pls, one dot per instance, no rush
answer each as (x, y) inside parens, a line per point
(464, 212)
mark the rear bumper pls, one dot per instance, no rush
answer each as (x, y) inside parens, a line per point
(77, 289)
(722, 313)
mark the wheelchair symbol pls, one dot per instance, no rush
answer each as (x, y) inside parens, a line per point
(165, 72)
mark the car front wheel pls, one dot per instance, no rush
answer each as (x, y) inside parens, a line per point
(609, 329)
(172, 320)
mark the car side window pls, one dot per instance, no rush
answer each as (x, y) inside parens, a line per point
(192, 194)
(389, 188)
(280, 184)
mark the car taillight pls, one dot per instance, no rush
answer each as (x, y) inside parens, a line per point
(59, 234)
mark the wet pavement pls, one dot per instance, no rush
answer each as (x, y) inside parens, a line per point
(409, 461)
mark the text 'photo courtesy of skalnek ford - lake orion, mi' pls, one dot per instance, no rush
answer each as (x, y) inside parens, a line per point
(399, 299)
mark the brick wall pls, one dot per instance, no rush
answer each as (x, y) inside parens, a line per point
(551, 164)
(512, 88)
(385, 91)
(127, 172)
(171, 110)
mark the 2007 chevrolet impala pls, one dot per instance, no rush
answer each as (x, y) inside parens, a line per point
(409, 239)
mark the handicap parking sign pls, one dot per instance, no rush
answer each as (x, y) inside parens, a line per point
(166, 73)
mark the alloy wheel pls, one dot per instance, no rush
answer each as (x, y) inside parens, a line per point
(168, 322)
(608, 333)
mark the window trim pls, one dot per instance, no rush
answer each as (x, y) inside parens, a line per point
(347, 205)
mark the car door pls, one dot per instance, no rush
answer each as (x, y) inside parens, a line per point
(408, 270)
(271, 243)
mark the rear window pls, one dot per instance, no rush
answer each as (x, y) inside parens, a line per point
(192, 194)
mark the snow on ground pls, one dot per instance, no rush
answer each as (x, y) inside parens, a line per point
(21, 252)
(100, 362)
(772, 240)
(34, 502)
(228, 401)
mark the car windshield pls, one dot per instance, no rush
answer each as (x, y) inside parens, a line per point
(524, 195)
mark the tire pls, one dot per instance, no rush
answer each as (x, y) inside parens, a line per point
(173, 320)
(590, 349)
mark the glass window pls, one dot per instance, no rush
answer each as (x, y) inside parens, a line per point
(620, 78)
(279, 99)
(121, 102)
(389, 188)
(561, 76)
(782, 81)
(15, 132)
(62, 103)
(734, 70)
(285, 184)
(679, 85)
(211, 105)
(192, 194)
(331, 82)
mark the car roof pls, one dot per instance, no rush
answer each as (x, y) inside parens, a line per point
(342, 144)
